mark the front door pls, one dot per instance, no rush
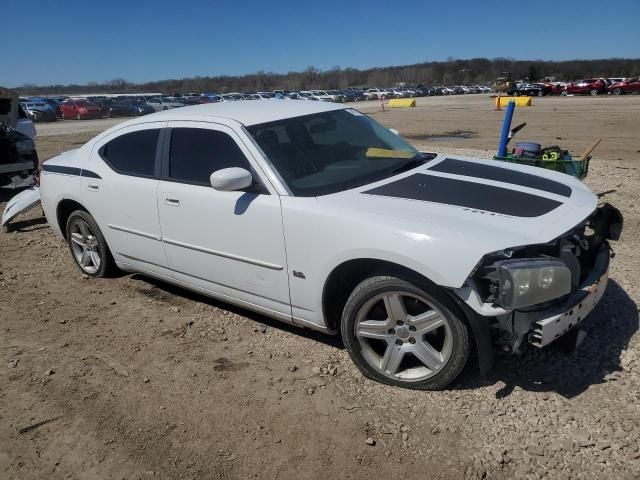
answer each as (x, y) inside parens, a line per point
(228, 243)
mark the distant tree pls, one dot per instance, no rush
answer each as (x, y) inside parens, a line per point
(118, 84)
(452, 71)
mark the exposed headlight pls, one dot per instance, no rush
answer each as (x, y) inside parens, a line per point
(526, 282)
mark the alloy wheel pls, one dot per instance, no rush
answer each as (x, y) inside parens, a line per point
(403, 336)
(85, 247)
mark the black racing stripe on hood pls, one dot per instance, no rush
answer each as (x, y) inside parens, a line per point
(461, 193)
(499, 174)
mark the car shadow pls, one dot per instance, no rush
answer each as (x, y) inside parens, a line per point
(330, 340)
(243, 202)
(609, 329)
(28, 225)
(552, 369)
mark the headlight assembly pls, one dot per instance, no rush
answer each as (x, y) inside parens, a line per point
(531, 281)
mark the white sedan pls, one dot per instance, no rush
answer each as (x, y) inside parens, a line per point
(316, 215)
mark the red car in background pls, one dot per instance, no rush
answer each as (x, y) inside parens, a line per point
(79, 109)
(554, 88)
(589, 86)
(630, 85)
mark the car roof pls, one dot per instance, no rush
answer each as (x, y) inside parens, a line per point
(248, 113)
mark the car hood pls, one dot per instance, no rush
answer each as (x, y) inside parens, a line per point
(494, 205)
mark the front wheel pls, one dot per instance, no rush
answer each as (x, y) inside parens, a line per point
(594, 92)
(617, 91)
(404, 334)
(88, 246)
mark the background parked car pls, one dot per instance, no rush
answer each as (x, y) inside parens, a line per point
(531, 89)
(129, 108)
(589, 86)
(630, 85)
(55, 104)
(164, 103)
(79, 109)
(104, 106)
(39, 111)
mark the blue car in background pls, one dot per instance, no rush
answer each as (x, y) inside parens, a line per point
(39, 111)
(129, 108)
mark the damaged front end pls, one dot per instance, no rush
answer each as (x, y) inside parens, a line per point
(540, 292)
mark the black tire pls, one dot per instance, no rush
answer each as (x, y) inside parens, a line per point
(540, 93)
(107, 265)
(460, 337)
(594, 92)
(618, 91)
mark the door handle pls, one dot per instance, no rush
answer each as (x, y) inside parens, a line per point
(93, 187)
(174, 202)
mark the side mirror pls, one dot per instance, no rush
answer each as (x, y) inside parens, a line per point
(393, 130)
(231, 179)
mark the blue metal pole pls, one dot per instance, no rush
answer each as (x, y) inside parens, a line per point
(506, 126)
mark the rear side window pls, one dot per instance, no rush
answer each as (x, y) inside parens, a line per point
(196, 153)
(132, 153)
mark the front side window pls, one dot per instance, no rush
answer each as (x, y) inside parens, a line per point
(133, 153)
(332, 151)
(195, 153)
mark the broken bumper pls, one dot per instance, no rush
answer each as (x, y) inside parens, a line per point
(550, 324)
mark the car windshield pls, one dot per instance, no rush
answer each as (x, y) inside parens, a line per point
(329, 152)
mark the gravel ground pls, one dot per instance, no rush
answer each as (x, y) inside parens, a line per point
(153, 381)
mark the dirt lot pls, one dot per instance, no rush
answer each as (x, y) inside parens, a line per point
(145, 380)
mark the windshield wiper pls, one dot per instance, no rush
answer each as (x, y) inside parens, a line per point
(413, 163)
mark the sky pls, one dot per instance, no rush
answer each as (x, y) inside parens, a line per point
(80, 41)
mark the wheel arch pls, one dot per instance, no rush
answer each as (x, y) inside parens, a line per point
(64, 209)
(344, 277)
(347, 275)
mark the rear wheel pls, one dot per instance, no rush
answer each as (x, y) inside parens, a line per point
(404, 334)
(88, 246)
(617, 91)
(594, 92)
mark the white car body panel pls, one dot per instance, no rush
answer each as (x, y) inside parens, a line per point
(241, 253)
(273, 253)
(20, 203)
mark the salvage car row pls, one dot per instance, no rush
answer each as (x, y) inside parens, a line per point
(48, 109)
(587, 86)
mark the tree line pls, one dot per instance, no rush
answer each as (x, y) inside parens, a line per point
(473, 71)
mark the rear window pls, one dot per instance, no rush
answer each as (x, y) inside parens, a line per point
(132, 153)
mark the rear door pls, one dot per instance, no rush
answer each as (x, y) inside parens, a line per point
(228, 243)
(120, 188)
